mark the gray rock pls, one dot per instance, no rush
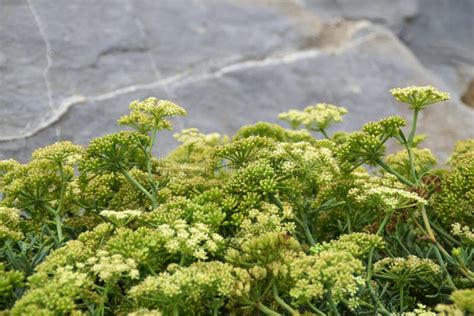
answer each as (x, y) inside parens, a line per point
(394, 14)
(442, 37)
(68, 69)
(246, 92)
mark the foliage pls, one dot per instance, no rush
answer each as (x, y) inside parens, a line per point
(272, 221)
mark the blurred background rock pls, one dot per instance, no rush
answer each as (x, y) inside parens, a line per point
(69, 68)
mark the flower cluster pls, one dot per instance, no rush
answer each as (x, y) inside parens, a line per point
(316, 117)
(367, 145)
(150, 114)
(466, 233)
(10, 224)
(455, 199)
(275, 132)
(423, 161)
(409, 267)
(206, 283)
(9, 282)
(384, 197)
(270, 221)
(244, 150)
(121, 218)
(109, 267)
(419, 97)
(357, 244)
(58, 296)
(115, 152)
(334, 274)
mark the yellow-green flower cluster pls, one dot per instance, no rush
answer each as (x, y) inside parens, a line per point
(464, 300)
(245, 150)
(202, 283)
(463, 150)
(58, 296)
(455, 199)
(421, 310)
(9, 281)
(150, 114)
(275, 132)
(423, 161)
(307, 162)
(146, 312)
(191, 136)
(465, 232)
(333, 273)
(384, 197)
(10, 224)
(109, 268)
(419, 97)
(268, 218)
(408, 267)
(60, 152)
(316, 117)
(179, 238)
(264, 250)
(195, 240)
(357, 244)
(201, 209)
(257, 177)
(121, 218)
(115, 152)
(367, 145)
(463, 304)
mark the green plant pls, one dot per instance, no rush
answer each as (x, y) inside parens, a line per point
(272, 221)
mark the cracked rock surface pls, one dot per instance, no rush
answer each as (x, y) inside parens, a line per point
(68, 69)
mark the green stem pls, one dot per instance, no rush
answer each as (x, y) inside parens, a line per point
(440, 231)
(57, 220)
(333, 306)
(401, 299)
(267, 311)
(390, 170)
(140, 187)
(315, 309)
(348, 218)
(370, 268)
(281, 302)
(412, 165)
(411, 136)
(324, 133)
(148, 165)
(63, 188)
(175, 310)
(438, 247)
(443, 266)
(426, 222)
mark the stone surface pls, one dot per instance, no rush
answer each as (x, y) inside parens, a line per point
(68, 69)
(442, 36)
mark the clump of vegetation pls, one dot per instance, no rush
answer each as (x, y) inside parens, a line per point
(272, 221)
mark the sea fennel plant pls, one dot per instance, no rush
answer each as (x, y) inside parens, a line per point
(272, 221)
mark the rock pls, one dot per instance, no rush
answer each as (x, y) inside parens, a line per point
(393, 14)
(442, 37)
(69, 69)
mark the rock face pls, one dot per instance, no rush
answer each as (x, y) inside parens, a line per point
(68, 69)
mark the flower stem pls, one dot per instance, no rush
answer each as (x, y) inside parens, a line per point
(57, 220)
(390, 170)
(140, 187)
(411, 136)
(267, 311)
(281, 302)
(148, 166)
(324, 133)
